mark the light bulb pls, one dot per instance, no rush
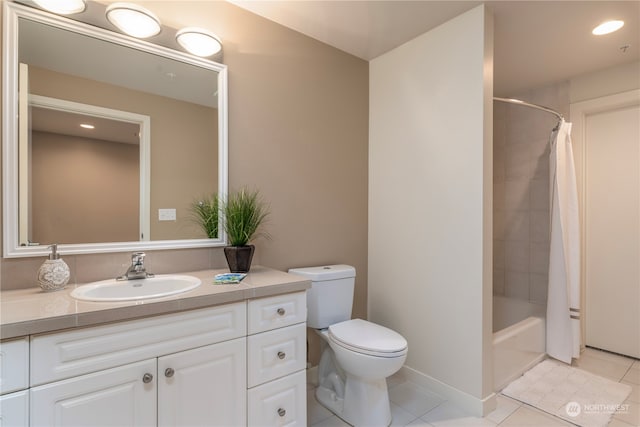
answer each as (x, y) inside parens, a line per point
(607, 27)
(133, 20)
(198, 41)
(62, 7)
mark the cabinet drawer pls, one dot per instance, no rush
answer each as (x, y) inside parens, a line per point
(276, 353)
(282, 402)
(14, 365)
(265, 314)
(69, 354)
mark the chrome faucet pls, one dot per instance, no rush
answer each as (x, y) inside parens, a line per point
(137, 269)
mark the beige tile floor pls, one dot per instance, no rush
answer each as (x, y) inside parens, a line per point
(416, 407)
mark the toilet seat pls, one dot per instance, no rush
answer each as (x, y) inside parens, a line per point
(368, 338)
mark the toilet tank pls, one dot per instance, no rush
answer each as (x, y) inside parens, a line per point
(330, 298)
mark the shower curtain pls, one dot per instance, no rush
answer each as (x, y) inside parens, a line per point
(563, 298)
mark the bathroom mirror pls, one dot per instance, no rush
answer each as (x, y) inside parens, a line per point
(178, 103)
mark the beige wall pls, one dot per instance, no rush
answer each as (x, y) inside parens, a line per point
(103, 206)
(298, 118)
(430, 213)
(298, 131)
(184, 155)
(604, 82)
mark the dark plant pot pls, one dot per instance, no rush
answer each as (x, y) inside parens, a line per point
(239, 258)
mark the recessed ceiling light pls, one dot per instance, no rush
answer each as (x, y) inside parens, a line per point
(607, 27)
(62, 7)
(198, 41)
(87, 126)
(133, 20)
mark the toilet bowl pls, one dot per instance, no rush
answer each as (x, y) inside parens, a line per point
(367, 350)
(368, 354)
(357, 356)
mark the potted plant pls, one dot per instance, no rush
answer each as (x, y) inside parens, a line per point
(206, 212)
(244, 212)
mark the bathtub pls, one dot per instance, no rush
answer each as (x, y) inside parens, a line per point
(518, 338)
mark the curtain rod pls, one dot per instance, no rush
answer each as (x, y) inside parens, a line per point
(527, 104)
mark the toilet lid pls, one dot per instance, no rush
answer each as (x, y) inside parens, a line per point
(369, 338)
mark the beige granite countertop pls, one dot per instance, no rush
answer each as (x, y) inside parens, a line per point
(31, 311)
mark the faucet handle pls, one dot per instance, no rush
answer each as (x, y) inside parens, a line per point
(137, 269)
(137, 257)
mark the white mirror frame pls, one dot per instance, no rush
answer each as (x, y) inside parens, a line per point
(11, 14)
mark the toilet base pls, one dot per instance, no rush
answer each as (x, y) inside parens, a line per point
(365, 403)
(358, 401)
(330, 400)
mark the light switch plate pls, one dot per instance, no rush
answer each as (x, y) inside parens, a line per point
(166, 214)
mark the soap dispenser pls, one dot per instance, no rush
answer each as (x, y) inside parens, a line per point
(53, 274)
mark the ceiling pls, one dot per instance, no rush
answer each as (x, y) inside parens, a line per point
(536, 42)
(66, 123)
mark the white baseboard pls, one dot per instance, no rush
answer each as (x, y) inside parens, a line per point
(468, 403)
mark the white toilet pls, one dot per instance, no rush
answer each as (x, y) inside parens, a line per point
(360, 356)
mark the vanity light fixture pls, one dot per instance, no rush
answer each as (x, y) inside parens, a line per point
(198, 41)
(62, 7)
(133, 20)
(607, 27)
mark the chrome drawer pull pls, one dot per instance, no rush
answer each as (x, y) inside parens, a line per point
(281, 311)
(147, 378)
(281, 412)
(281, 355)
(169, 372)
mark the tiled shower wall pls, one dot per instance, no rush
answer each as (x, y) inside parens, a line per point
(521, 192)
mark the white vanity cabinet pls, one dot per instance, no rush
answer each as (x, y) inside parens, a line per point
(237, 364)
(14, 382)
(173, 370)
(276, 360)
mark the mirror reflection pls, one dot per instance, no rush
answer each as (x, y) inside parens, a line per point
(80, 186)
(106, 154)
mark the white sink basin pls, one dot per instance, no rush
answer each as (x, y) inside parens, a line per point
(129, 290)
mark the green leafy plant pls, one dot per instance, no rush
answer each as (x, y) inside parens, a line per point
(244, 212)
(206, 211)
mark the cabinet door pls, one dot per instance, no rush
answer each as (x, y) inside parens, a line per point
(14, 409)
(204, 387)
(120, 396)
(14, 365)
